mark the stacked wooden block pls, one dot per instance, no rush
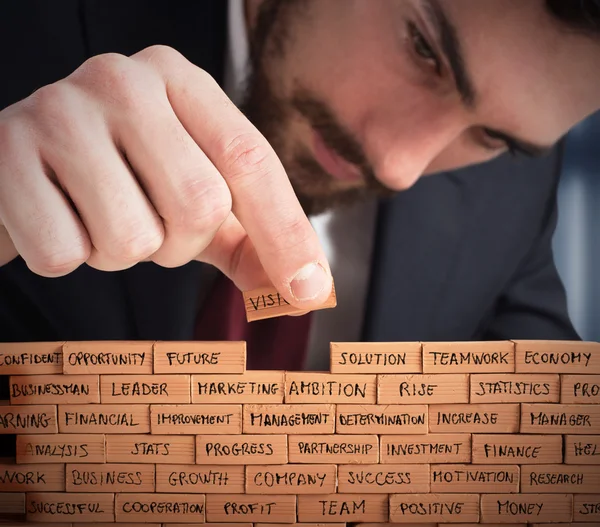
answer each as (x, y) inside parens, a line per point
(409, 433)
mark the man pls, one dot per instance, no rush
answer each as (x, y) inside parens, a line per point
(142, 156)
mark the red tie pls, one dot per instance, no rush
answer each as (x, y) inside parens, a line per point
(274, 344)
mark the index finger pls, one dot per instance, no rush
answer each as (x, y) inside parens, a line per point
(263, 198)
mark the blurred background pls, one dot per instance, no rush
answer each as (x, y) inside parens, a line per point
(577, 238)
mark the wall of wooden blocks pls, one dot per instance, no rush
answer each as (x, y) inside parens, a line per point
(497, 433)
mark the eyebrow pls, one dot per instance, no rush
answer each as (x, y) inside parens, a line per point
(452, 49)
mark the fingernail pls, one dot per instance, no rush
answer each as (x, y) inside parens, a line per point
(309, 282)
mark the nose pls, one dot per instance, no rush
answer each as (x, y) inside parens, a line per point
(402, 144)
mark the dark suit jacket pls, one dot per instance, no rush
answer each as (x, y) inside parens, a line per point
(461, 256)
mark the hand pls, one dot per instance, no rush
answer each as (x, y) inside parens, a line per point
(145, 158)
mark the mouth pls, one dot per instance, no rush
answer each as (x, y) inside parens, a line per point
(333, 164)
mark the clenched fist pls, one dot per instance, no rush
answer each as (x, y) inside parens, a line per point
(145, 158)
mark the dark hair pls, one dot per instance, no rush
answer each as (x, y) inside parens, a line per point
(581, 15)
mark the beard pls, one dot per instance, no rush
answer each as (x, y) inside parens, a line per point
(272, 114)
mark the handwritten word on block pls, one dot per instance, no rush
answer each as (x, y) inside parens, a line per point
(431, 448)
(60, 448)
(244, 449)
(103, 419)
(28, 419)
(291, 479)
(54, 389)
(580, 389)
(255, 508)
(196, 419)
(200, 479)
(474, 418)
(340, 449)
(423, 389)
(199, 357)
(289, 418)
(582, 449)
(560, 419)
(381, 419)
(575, 479)
(383, 479)
(586, 508)
(33, 358)
(158, 449)
(468, 357)
(526, 508)
(329, 388)
(515, 388)
(110, 477)
(343, 507)
(517, 449)
(379, 357)
(547, 356)
(179, 508)
(31, 478)
(251, 387)
(70, 506)
(434, 507)
(138, 389)
(119, 358)
(478, 479)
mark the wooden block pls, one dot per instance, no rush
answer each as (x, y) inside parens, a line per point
(548, 356)
(54, 389)
(475, 418)
(110, 477)
(196, 419)
(434, 507)
(401, 525)
(103, 419)
(60, 448)
(343, 507)
(383, 479)
(572, 524)
(150, 389)
(515, 388)
(244, 449)
(242, 508)
(210, 524)
(107, 357)
(12, 503)
(251, 387)
(192, 479)
(560, 419)
(291, 479)
(469, 357)
(580, 389)
(431, 448)
(159, 449)
(327, 388)
(583, 450)
(39, 419)
(119, 525)
(289, 418)
(339, 449)
(574, 479)
(423, 389)
(478, 479)
(381, 419)
(199, 357)
(66, 506)
(160, 507)
(501, 449)
(30, 358)
(376, 357)
(505, 508)
(266, 302)
(36, 524)
(586, 508)
(295, 525)
(496, 524)
(31, 478)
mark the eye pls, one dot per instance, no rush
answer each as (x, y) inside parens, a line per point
(497, 142)
(423, 49)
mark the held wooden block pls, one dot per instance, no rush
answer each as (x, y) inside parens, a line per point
(575, 479)
(470, 479)
(54, 389)
(555, 356)
(431, 448)
(383, 479)
(103, 419)
(343, 507)
(251, 387)
(31, 478)
(376, 357)
(244, 508)
(339, 449)
(560, 419)
(60, 448)
(381, 419)
(580, 389)
(116, 357)
(515, 388)
(449, 508)
(110, 477)
(423, 389)
(289, 418)
(158, 449)
(150, 389)
(196, 419)
(12, 503)
(475, 418)
(33, 358)
(583, 450)
(199, 357)
(586, 508)
(505, 508)
(241, 449)
(160, 507)
(327, 388)
(202, 479)
(503, 449)
(291, 479)
(468, 357)
(266, 302)
(28, 419)
(69, 507)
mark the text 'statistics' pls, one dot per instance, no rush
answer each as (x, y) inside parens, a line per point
(176, 434)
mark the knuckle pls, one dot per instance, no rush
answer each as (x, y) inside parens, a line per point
(48, 103)
(246, 155)
(163, 54)
(137, 246)
(55, 261)
(206, 207)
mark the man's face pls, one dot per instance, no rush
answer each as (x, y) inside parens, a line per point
(363, 97)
